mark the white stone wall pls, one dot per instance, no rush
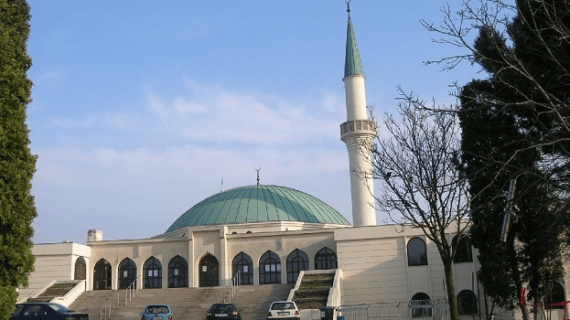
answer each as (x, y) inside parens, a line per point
(375, 266)
(54, 262)
(193, 244)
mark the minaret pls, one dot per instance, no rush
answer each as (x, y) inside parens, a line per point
(358, 132)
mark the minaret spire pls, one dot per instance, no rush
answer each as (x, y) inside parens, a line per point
(357, 133)
(352, 64)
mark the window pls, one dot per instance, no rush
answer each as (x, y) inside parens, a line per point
(177, 273)
(555, 296)
(420, 305)
(152, 273)
(325, 259)
(269, 268)
(80, 269)
(463, 252)
(467, 302)
(296, 261)
(127, 274)
(243, 263)
(417, 255)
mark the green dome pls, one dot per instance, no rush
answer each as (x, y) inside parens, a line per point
(258, 204)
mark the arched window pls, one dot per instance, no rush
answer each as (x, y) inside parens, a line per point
(127, 273)
(152, 273)
(178, 273)
(269, 268)
(296, 261)
(417, 255)
(463, 252)
(421, 306)
(80, 269)
(242, 262)
(102, 275)
(325, 259)
(467, 302)
(555, 295)
(209, 273)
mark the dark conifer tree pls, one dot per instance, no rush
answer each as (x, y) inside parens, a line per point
(17, 164)
(514, 126)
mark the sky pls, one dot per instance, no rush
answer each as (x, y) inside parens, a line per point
(141, 109)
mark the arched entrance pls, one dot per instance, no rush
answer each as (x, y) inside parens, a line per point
(102, 275)
(127, 274)
(209, 275)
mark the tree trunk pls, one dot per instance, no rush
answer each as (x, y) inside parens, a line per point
(450, 284)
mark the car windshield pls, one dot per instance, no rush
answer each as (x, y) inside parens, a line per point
(222, 307)
(156, 309)
(283, 306)
(58, 308)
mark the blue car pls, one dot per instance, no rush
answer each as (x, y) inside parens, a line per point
(157, 312)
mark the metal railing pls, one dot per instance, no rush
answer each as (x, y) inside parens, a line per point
(234, 287)
(129, 290)
(227, 297)
(105, 311)
(416, 310)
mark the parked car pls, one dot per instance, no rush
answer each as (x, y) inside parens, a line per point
(157, 312)
(282, 310)
(45, 311)
(223, 311)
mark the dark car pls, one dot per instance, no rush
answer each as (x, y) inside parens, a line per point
(45, 311)
(223, 311)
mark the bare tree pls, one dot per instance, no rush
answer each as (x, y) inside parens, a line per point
(516, 125)
(421, 185)
(522, 47)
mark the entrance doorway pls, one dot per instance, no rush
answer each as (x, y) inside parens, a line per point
(209, 275)
(102, 275)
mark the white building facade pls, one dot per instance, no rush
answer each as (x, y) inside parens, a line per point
(270, 234)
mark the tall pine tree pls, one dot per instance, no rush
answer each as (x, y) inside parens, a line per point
(17, 164)
(515, 126)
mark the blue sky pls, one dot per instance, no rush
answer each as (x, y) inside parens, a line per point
(141, 108)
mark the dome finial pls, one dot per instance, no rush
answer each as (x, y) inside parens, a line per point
(347, 5)
(258, 174)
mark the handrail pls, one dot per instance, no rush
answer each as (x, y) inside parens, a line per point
(129, 290)
(234, 287)
(105, 311)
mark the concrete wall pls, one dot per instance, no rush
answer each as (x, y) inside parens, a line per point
(54, 262)
(222, 242)
(375, 266)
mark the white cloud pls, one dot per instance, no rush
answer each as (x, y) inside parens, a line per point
(205, 136)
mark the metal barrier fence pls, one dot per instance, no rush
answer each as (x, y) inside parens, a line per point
(409, 310)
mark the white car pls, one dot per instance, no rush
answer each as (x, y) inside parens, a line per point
(283, 310)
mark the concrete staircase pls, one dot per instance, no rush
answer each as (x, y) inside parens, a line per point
(187, 303)
(255, 300)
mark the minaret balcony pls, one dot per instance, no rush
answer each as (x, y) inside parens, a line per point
(365, 127)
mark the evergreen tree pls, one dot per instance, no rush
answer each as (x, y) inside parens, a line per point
(17, 164)
(515, 127)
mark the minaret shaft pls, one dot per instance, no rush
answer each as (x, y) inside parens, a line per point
(358, 133)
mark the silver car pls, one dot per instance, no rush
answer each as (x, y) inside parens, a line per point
(283, 310)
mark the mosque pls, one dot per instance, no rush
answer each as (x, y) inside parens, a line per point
(269, 234)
